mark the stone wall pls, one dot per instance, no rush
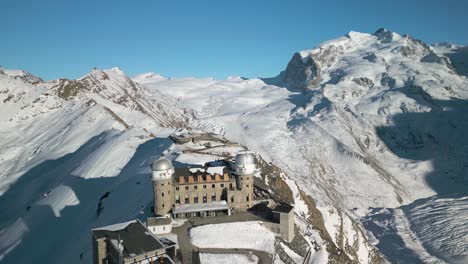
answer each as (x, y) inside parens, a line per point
(163, 193)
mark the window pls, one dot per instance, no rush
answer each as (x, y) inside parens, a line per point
(213, 186)
(232, 199)
(205, 198)
(204, 186)
(163, 205)
(247, 185)
(162, 194)
(222, 185)
(230, 185)
(195, 187)
(247, 198)
(177, 199)
(186, 200)
(186, 188)
(195, 199)
(213, 197)
(177, 188)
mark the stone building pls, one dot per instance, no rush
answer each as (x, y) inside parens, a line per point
(190, 192)
(282, 223)
(159, 225)
(130, 242)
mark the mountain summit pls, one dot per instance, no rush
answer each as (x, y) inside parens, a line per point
(365, 134)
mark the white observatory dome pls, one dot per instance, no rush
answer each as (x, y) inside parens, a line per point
(161, 164)
(162, 169)
(245, 163)
(245, 158)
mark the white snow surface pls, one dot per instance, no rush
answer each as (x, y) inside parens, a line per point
(384, 128)
(441, 225)
(249, 235)
(206, 258)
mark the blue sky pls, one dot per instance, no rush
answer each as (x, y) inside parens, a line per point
(67, 38)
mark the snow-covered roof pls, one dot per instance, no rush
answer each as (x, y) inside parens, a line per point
(115, 227)
(218, 169)
(189, 208)
(211, 170)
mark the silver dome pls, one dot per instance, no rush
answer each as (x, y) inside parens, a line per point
(244, 158)
(161, 164)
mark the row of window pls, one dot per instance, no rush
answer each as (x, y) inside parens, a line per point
(195, 199)
(247, 198)
(195, 187)
(205, 178)
(204, 199)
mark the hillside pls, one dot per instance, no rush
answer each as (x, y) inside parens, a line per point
(364, 133)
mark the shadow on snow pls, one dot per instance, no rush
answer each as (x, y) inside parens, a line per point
(33, 233)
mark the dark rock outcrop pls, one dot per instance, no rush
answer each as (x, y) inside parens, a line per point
(363, 81)
(303, 73)
(384, 35)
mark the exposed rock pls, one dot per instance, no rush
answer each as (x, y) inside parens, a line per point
(67, 89)
(387, 80)
(431, 57)
(22, 75)
(413, 48)
(459, 60)
(370, 57)
(384, 35)
(303, 73)
(363, 81)
(272, 174)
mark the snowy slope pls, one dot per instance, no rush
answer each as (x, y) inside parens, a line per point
(358, 125)
(63, 144)
(371, 126)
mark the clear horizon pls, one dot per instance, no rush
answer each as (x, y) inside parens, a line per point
(66, 39)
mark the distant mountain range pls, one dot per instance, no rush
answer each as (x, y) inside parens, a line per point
(372, 127)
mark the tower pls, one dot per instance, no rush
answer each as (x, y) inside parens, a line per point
(163, 187)
(244, 169)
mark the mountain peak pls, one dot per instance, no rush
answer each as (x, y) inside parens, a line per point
(357, 36)
(148, 77)
(21, 74)
(117, 70)
(386, 35)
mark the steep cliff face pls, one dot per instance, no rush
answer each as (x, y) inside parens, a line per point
(302, 72)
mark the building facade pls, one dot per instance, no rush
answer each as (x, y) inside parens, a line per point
(282, 224)
(190, 192)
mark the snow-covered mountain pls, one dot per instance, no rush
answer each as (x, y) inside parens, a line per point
(367, 129)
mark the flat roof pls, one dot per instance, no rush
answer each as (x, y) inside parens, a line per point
(134, 237)
(158, 221)
(192, 171)
(191, 208)
(283, 208)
